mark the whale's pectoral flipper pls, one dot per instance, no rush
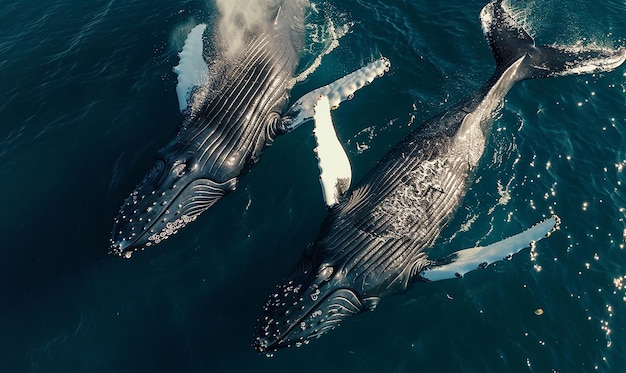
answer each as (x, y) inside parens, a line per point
(192, 69)
(460, 262)
(338, 91)
(509, 41)
(332, 160)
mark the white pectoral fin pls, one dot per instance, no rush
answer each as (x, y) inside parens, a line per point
(192, 69)
(332, 160)
(460, 262)
(338, 91)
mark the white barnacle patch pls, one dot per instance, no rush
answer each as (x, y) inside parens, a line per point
(315, 294)
(170, 229)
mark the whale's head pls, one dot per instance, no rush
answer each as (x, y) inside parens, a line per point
(314, 299)
(173, 193)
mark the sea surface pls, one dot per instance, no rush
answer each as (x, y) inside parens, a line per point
(88, 97)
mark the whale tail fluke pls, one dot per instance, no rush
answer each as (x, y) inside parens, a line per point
(509, 42)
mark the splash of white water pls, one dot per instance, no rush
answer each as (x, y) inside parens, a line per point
(240, 18)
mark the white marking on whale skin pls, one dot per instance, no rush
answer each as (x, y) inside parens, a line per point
(410, 201)
(192, 69)
(333, 162)
(337, 92)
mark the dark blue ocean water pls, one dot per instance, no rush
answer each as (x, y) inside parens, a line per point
(88, 96)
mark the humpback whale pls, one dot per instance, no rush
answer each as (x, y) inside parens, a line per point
(375, 242)
(227, 126)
